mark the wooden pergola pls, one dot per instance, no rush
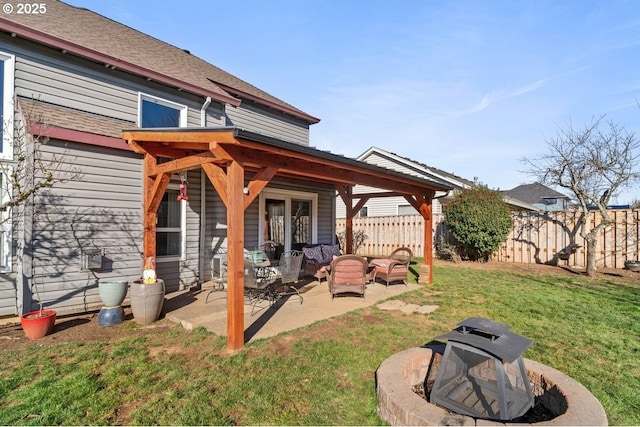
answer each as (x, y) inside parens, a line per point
(239, 165)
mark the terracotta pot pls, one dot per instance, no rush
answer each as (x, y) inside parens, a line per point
(146, 301)
(37, 324)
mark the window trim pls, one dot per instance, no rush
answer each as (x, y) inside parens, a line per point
(183, 109)
(6, 154)
(182, 229)
(8, 108)
(288, 196)
(405, 205)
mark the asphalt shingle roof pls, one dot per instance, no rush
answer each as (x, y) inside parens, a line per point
(127, 46)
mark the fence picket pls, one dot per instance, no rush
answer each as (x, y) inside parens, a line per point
(536, 237)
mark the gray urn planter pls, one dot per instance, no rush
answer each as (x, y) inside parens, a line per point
(146, 301)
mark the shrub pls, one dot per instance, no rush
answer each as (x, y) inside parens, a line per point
(479, 220)
(359, 237)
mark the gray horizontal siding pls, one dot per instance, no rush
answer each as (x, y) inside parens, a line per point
(49, 76)
(8, 295)
(101, 211)
(266, 122)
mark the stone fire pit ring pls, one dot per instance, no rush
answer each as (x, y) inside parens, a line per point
(398, 404)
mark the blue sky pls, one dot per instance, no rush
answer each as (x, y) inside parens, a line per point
(470, 87)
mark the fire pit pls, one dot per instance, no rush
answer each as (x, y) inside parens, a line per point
(482, 373)
(567, 401)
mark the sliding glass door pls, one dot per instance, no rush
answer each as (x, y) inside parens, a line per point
(289, 218)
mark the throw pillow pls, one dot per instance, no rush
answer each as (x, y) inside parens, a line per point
(313, 254)
(329, 251)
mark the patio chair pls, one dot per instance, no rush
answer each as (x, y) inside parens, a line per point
(258, 285)
(347, 274)
(270, 249)
(393, 268)
(289, 271)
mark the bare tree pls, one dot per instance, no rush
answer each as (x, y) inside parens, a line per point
(594, 165)
(30, 170)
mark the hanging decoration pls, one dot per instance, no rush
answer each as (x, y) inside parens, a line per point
(183, 187)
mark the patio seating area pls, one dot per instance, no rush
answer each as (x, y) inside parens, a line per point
(201, 308)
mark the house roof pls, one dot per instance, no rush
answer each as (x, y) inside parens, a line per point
(420, 168)
(534, 193)
(79, 31)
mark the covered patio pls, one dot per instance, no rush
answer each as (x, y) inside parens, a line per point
(239, 164)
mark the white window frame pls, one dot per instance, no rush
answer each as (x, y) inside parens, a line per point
(6, 154)
(7, 105)
(406, 205)
(182, 229)
(288, 196)
(183, 109)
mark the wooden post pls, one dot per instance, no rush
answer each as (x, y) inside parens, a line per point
(235, 256)
(154, 189)
(426, 273)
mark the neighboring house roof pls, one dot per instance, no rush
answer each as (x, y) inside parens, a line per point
(420, 168)
(433, 173)
(534, 193)
(87, 34)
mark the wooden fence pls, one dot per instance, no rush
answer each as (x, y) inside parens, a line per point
(537, 237)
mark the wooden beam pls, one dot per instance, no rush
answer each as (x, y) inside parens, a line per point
(257, 184)
(345, 192)
(184, 163)
(235, 256)
(153, 192)
(156, 192)
(150, 135)
(423, 203)
(320, 169)
(218, 179)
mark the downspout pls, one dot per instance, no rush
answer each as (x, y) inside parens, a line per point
(203, 202)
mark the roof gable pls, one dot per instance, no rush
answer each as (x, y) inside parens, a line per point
(421, 168)
(534, 193)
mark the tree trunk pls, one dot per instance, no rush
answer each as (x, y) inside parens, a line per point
(591, 255)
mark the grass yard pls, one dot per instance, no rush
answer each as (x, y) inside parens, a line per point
(324, 374)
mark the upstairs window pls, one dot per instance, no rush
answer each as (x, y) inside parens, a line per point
(159, 113)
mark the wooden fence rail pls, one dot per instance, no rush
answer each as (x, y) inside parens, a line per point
(536, 237)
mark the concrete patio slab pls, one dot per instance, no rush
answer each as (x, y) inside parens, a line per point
(208, 309)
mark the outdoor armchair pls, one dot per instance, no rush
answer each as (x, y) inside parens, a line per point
(347, 274)
(393, 268)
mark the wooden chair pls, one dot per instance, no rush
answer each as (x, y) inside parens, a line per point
(393, 268)
(347, 274)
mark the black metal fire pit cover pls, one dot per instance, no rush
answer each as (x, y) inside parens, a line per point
(490, 336)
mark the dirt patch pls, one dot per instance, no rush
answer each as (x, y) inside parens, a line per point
(84, 328)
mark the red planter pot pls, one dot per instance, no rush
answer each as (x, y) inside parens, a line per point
(37, 324)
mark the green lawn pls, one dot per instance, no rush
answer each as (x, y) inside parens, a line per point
(324, 374)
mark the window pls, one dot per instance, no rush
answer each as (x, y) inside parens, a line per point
(407, 210)
(6, 105)
(363, 212)
(290, 218)
(7, 63)
(171, 223)
(159, 113)
(171, 226)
